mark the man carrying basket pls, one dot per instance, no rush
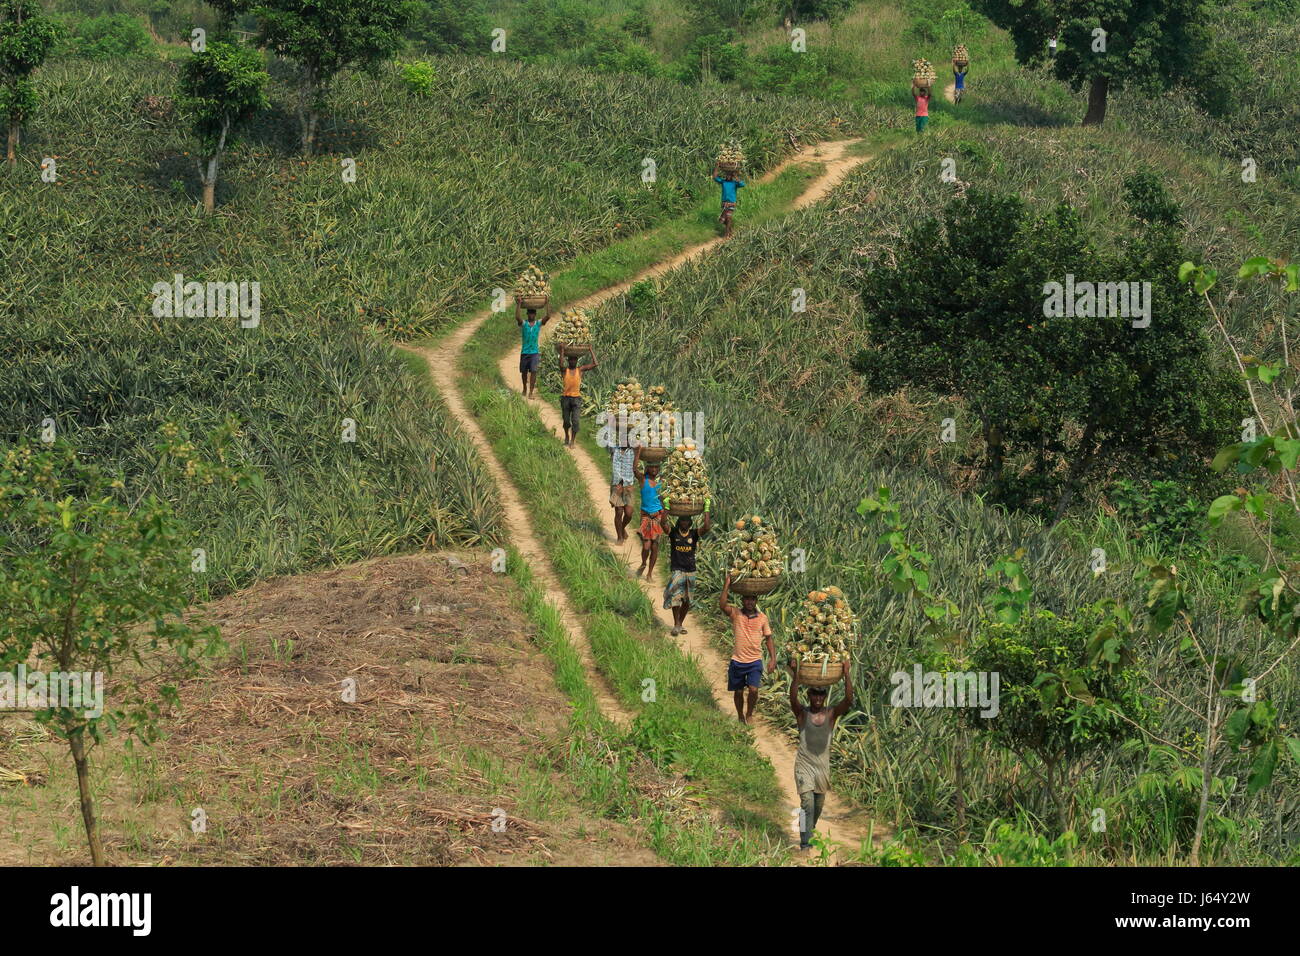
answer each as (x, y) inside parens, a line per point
(530, 352)
(653, 514)
(812, 760)
(749, 629)
(682, 542)
(571, 394)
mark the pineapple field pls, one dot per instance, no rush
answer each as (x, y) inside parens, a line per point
(993, 417)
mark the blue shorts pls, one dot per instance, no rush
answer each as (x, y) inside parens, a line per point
(529, 363)
(741, 675)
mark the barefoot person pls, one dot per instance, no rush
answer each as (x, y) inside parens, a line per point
(622, 488)
(812, 760)
(653, 515)
(922, 97)
(959, 72)
(749, 629)
(682, 542)
(727, 179)
(571, 394)
(530, 353)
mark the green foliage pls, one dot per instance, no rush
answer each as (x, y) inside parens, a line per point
(108, 37)
(1006, 844)
(616, 53)
(220, 88)
(966, 315)
(1160, 511)
(780, 69)
(26, 38)
(450, 26)
(419, 76)
(714, 56)
(1220, 76)
(547, 27)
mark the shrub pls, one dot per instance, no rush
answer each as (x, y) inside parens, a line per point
(450, 26)
(418, 77)
(109, 37)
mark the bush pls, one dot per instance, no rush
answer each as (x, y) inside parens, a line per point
(614, 53)
(547, 27)
(450, 26)
(418, 77)
(780, 69)
(714, 56)
(108, 37)
(1160, 511)
(1219, 76)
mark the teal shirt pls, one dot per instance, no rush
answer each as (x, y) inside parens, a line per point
(530, 331)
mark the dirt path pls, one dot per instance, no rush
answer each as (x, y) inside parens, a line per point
(950, 92)
(442, 360)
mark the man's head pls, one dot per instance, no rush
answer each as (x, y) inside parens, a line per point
(652, 472)
(748, 603)
(683, 524)
(532, 315)
(573, 361)
(816, 697)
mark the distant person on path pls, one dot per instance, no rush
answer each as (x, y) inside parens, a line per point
(622, 488)
(571, 395)
(959, 82)
(530, 353)
(1051, 46)
(652, 515)
(683, 541)
(727, 179)
(922, 97)
(812, 760)
(749, 629)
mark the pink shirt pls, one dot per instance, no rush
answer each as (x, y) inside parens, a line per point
(922, 106)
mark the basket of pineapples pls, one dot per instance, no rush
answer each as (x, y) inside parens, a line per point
(573, 332)
(687, 480)
(755, 558)
(821, 638)
(532, 289)
(662, 426)
(960, 56)
(731, 156)
(923, 74)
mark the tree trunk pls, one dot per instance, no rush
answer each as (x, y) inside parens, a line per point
(307, 114)
(1097, 101)
(1207, 771)
(11, 154)
(78, 746)
(960, 780)
(209, 197)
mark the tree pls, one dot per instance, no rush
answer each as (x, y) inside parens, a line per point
(1146, 42)
(26, 37)
(324, 37)
(93, 583)
(220, 88)
(1060, 394)
(450, 26)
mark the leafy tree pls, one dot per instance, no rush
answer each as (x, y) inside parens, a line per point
(1147, 42)
(801, 11)
(1071, 395)
(547, 27)
(324, 37)
(26, 37)
(220, 88)
(95, 583)
(713, 56)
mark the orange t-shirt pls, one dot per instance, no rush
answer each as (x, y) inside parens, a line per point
(748, 633)
(572, 383)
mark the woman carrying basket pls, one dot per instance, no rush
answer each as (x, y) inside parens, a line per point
(653, 514)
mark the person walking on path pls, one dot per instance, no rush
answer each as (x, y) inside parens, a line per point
(571, 394)
(959, 82)
(530, 353)
(812, 759)
(922, 97)
(727, 179)
(622, 488)
(652, 515)
(682, 543)
(749, 630)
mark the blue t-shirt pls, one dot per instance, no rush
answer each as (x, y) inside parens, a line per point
(960, 78)
(729, 187)
(650, 502)
(530, 331)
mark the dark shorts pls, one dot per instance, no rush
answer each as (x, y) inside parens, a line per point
(530, 363)
(741, 675)
(921, 123)
(571, 411)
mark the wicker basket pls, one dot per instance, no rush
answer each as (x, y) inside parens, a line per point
(531, 301)
(653, 455)
(685, 509)
(754, 586)
(729, 167)
(811, 673)
(961, 65)
(571, 349)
